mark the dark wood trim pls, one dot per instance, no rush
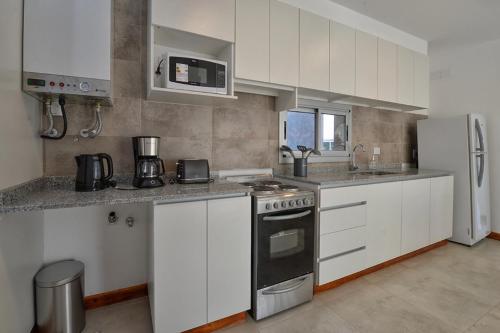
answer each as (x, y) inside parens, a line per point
(494, 235)
(339, 282)
(216, 325)
(115, 296)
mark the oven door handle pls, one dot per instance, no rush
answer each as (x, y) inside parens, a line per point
(285, 290)
(286, 217)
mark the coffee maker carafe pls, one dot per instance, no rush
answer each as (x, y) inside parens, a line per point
(149, 168)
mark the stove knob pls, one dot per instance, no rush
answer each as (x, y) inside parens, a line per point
(276, 205)
(305, 202)
(283, 204)
(291, 203)
(268, 206)
(299, 202)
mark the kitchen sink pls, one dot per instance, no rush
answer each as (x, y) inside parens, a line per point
(376, 173)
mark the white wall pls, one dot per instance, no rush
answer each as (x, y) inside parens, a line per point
(467, 80)
(21, 255)
(115, 256)
(361, 22)
(20, 147)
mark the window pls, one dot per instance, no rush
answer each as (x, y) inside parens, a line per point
(323, 126)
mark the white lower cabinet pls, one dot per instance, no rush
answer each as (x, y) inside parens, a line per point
(441, 225)
(200, 262)
(415, 215)
(383, 222)
(363, 226)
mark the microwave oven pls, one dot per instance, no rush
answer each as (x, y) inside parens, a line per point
(196, 74)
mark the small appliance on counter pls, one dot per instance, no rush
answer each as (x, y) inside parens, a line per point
(149, 167)
(90, 174)
(191, 171)
(300, 163)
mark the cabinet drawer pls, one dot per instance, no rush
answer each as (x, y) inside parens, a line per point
(336, 268)
(342, 196)
(343, 218)
(342, 241)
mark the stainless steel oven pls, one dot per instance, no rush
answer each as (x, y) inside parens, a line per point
(283, 253)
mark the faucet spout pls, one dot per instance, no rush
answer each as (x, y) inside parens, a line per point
(354, 165)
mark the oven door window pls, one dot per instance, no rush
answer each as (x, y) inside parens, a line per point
(285, 248)
(286, 243)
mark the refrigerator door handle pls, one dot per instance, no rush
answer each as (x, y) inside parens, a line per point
(479, 133)
(480, 175)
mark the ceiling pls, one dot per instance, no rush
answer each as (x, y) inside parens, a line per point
(441, 22)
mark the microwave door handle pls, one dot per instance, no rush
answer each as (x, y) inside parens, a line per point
(287, 289)
(286, 217)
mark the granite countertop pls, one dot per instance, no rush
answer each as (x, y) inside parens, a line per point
(345, 178)
(58, 192)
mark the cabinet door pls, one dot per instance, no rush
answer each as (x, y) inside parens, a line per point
(387, 71)
(383, 222)
(229, 257)
(342, 59)
(284, 44)
(421, 80)
(416, 215)
(213, 18)
(441, 226)
(252, 40)
(180, 266)
(314, 51)
(366, 65)
(405, 76)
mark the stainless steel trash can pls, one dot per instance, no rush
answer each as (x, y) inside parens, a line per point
(59, 298)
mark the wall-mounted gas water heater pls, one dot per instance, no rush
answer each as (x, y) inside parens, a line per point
(67, 56)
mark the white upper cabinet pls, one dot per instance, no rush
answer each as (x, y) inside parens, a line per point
(252, 40)
(387, 71)
(342, 59)
(421, 80)
(441, 208)
(213, 18)
(366, 65)
(405, 76)
(284, 44)
(314, 51)
(416, 215)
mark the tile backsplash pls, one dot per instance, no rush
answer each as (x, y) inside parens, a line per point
(230, 134)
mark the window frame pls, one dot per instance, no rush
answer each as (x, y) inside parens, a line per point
(318, 108)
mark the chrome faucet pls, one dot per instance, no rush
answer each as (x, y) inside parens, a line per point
(354, 165)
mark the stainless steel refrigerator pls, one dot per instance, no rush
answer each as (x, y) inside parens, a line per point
(459, 144)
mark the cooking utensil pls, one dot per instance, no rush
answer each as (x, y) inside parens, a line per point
(302, 149)
(288, 150)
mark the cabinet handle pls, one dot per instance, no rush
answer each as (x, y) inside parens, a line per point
(361, 203)
(342, 254)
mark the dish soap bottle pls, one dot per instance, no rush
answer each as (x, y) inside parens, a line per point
(373, 164)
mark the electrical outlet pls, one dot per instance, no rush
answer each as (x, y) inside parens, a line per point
(55, 109)
(376, 151)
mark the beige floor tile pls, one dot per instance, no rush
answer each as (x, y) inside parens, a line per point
(453, 305)
(385, 273)
(313, 321)
(490, 323)
(372, 309)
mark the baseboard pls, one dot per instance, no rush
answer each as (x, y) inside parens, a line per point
(221, 323)
(494, 235)
(339, 282)
(115, 296)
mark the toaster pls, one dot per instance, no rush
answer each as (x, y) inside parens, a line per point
(190, 171)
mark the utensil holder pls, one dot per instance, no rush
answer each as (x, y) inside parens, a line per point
(300, 167)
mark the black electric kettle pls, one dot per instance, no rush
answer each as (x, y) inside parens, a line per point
(90, 174)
